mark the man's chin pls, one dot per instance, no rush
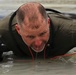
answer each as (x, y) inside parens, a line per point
(37, 50)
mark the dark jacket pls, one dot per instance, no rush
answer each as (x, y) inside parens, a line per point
(62, 38)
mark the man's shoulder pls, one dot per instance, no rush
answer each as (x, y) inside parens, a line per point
(4, 23)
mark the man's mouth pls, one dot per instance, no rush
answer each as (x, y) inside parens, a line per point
(38, 48)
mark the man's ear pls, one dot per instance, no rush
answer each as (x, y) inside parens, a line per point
(17, 27)
(49, 21)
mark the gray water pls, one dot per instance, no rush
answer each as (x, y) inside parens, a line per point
(39, 67)
(56, 66)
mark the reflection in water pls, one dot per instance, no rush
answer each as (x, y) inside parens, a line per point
(60, 65)
(39, 67)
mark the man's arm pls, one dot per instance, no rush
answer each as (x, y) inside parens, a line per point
(3, 48)
(65, 33)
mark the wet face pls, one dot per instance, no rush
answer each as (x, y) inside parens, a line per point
(34, 34)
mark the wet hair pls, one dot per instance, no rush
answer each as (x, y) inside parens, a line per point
(30, 10)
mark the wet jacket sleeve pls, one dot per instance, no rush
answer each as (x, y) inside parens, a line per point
(65, 33)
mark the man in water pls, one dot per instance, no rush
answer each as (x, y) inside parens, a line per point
(36, 31)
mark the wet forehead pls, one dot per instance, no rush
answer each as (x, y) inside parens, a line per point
(34, 23)
(31, 30)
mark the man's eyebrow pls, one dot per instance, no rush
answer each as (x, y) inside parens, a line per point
(30, 36)
(43, 32)
(39, 34)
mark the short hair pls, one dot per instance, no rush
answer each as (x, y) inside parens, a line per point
(27, 9)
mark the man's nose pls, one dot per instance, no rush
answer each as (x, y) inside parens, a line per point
(38, 42)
